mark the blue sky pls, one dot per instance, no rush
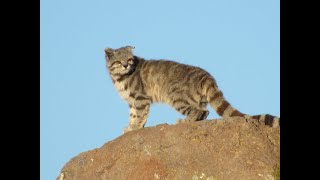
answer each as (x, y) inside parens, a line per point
(238, 42)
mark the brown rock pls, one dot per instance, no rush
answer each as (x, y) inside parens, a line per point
(211, 149)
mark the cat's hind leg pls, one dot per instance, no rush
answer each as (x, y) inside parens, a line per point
(193, 114)
(193, 109)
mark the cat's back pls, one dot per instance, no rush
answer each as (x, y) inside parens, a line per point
(163, 70)
(160, 76)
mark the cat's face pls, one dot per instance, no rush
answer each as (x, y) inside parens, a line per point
(120, 61)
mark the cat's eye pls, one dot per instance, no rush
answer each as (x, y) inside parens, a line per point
(130, 61)
(117, 64)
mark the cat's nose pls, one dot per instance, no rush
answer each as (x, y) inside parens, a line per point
(125, 65)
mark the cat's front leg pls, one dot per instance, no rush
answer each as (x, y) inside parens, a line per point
(138, 115)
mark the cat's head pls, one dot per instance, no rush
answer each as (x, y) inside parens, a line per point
(120, 61)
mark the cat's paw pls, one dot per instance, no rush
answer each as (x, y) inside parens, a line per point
(125, 130)
(131, 128)
(178, 121)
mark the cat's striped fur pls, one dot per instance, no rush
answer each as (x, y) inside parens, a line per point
(186, 88)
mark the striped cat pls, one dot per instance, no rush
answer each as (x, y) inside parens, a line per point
(186, 88)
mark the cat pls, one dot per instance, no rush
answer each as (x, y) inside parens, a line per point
(186, 88)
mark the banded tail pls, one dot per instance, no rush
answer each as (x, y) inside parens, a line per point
(224, 108)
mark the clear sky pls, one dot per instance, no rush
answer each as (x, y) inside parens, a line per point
(238, 42)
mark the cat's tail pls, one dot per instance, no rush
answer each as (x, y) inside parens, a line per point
(267, 119)
(220, 104)
(224, 108)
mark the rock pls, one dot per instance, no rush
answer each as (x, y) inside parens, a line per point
(206, 150)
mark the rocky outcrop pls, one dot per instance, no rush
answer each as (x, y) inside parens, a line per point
(229, 149)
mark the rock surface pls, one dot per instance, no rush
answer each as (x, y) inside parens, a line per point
(211, 149)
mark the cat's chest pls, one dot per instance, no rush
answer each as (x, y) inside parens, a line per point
(122, 89)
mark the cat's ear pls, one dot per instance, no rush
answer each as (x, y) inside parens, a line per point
(108, 52)
(130, 48)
